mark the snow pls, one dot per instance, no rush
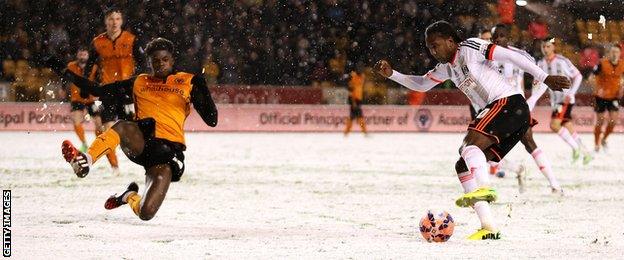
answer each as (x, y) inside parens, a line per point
(309, 196)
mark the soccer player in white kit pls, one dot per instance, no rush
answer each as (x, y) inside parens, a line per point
(504, 115)
(562, 102)
(515, 77)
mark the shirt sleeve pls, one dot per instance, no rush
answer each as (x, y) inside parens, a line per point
(575, 75)
(494, 52)
(202, 101)
(115, 90)
(421, 83)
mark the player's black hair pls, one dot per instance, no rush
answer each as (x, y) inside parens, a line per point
(82, 48)
(616, 46)
(112, 9)
(502, 26)
(444, 29)
(484, 30)
(159, 44)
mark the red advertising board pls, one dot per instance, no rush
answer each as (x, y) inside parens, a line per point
(292, 118)
(236, 94)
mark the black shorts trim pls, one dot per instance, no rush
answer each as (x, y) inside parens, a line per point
(602, 105)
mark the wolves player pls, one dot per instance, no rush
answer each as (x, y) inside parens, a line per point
(607, 92)
(156, 140)
(515, 77)
(562, 102)
(504, 115)
(118, 57)
(80, 106)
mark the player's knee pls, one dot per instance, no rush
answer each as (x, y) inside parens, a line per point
(147, 212)
(460, 166)
(146, 216)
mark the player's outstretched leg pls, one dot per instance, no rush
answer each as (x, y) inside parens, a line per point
(540, 159)
(125, 133)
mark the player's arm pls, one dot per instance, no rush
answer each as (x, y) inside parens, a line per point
(139, 57)
(202, 101)
(576, 77)
(493, 52)
(413, 82)
(93, 58)
(113, 90)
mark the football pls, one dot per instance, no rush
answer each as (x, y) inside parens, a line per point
(437, 226)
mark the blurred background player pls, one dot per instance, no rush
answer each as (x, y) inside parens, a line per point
(356, 94)
(485, 35)
(562, 102)
(497, 129)
(607, 92)
(515, 77)
(81, 107)
(118, 57)
(156, 139)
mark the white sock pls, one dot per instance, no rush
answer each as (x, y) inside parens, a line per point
(475, 160)
(468, 182)
(544, 166)
(578, 140)
(567, 137)
(485, 215)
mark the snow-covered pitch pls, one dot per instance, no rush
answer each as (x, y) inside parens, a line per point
(309, 196)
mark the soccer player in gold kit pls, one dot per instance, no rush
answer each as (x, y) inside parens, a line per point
(155, 140)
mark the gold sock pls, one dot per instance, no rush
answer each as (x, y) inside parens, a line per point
(134, 201)
(80, 132)
(103, 144)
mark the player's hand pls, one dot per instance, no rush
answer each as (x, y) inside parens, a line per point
(383, 68)
(557, 83)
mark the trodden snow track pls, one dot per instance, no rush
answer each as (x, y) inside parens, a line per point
(309, 196)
